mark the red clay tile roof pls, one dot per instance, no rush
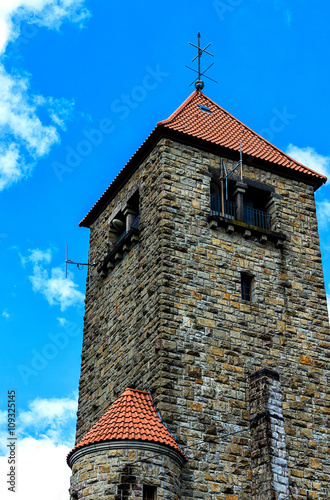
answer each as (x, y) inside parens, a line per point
(132, 416)
(218, 128)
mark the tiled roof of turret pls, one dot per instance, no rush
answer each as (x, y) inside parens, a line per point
(213, 126)
(132, 416)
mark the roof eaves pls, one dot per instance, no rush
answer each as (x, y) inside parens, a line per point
(120, 178)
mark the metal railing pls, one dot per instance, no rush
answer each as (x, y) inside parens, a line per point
(252, 216)
(135, 225)
(256, 218)
(229, 207)
(120, 239)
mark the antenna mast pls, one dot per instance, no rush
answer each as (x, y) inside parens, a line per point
(80, 265)
(223, 170)
(199, 84)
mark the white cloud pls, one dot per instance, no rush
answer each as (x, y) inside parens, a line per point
(62, 321)
(288, 17)
(49, 415)
(323, 213)
(42, 471)
(3, 418)
(45, 13)
(52, 284)
(57, 289)
(46, 435)
(310, 158)
(25, 138)
(5, 314)
(37, 257)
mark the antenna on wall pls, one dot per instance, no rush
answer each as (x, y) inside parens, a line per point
(80, 265)
(223, 170)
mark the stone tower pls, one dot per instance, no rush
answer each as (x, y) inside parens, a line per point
(206, 342)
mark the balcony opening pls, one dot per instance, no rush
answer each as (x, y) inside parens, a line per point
(254, 205)
(255, 213)
(125, 221)
(227, 207)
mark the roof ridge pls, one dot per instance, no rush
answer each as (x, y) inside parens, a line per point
(134, 390)
(179, 109)
(256, 133)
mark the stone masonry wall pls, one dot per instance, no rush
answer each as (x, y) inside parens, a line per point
(169, 317)
(269, 468)
(121, 474)
(121, 328)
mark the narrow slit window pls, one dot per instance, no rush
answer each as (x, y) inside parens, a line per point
(149, 493)
(246, 286)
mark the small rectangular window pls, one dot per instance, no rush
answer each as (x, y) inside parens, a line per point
(149, 492)
(246, 286)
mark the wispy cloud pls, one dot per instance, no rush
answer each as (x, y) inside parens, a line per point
(5, 314)
(323, 213)
(25, 137)
(46, 429)
(50, 417)
(44, 13)
(310, 158)
(3, 417)
(37, 257)
(62, 321)
(52, 283)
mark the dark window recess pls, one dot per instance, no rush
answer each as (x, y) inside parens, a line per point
(246, 286)
(134, 225)
(149, 493)
(254, 203)
(125, 221)
(123, 234)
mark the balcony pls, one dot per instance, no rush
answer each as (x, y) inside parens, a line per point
(229, 207)
(256, 218)
(135, 225)
(123, 244)
(252, 216)
(256, 224)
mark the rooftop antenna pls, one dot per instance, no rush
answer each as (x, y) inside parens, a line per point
(79, 265)
(225, 174)
(199, 84)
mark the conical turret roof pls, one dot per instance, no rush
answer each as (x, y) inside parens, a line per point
(132, 416)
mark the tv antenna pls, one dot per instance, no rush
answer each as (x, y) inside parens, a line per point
(80, 265)
(199, 84)
(224, 174)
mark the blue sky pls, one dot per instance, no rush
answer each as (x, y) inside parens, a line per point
(82, 84)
